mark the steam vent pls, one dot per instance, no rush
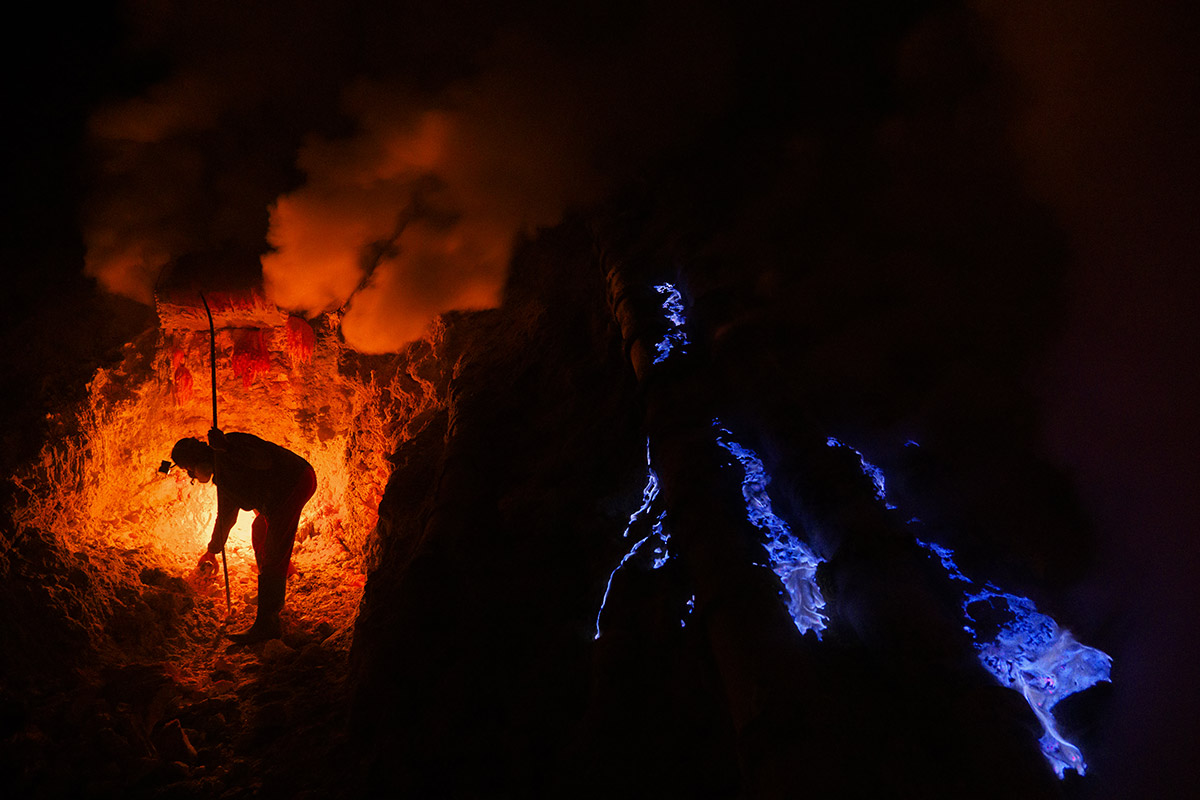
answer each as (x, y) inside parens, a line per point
(794, 400)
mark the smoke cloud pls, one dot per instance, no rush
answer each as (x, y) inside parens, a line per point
(391, 198)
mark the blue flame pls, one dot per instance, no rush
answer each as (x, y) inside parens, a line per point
(945, 555)
(657, 537)
(870, 470)
(691, 609)
(1032, 655)
(1029, 654)
(676, 337)
(790, 558)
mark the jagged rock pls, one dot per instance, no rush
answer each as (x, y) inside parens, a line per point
(212, 725)
(297, 640)
(153, 576)
(276, 650)
(210, 757)
(271, 715)
(173, 744)
(313, 654)
(218, 675)
(111, 743)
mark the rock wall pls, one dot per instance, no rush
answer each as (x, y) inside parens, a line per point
(471, 651)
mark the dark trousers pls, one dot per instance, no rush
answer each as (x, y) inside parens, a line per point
(273, 535)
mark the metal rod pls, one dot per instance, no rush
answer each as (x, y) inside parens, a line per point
(225, 569)
(212, 360)
(212, 356)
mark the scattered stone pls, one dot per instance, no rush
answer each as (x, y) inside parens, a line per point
(153, 576)
(271, 696)
(271, 715)
(324, 630)
(103, 787)
(111, 743)
(312, 655)
(297, 639)
(211, 706)
(210, 757)
(173, 745)
(212, 725)
(239, 771)
(222, 687)
(218, 675)
(276, 650)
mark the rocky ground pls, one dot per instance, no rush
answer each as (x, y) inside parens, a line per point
(160, 706)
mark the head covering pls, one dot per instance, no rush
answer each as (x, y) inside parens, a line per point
(190, 452)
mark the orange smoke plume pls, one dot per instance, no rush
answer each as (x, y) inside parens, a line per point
(417, 215)
(415, 212)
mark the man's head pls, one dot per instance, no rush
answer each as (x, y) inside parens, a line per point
(195, 458)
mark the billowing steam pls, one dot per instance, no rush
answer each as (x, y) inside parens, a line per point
(416, 214)
(392, 202)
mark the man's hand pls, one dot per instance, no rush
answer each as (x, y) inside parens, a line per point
(216, 440)
(208, 564)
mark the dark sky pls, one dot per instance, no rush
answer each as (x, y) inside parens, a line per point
(171, 131)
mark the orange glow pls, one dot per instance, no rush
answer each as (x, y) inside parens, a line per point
(300, 339)
(102, 488)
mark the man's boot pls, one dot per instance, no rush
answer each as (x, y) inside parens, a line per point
(266, 621)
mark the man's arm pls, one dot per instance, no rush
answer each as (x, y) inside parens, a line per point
(227, 514)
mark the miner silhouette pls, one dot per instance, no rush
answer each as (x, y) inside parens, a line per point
(259, 476)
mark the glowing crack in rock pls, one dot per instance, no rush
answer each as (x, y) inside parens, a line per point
(870, 470)
(658, 539)
(790, 558)
(676, 337)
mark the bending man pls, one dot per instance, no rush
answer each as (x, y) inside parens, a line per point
(270, 480)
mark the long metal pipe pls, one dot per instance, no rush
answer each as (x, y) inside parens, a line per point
(212, 361)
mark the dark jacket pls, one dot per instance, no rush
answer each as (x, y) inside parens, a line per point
(253, 474)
